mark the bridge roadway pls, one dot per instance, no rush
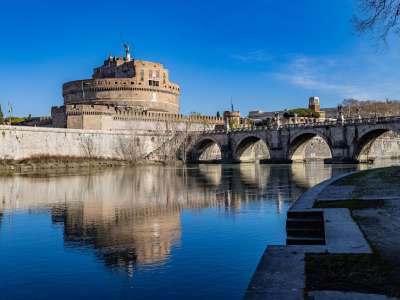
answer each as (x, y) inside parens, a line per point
(348, 141)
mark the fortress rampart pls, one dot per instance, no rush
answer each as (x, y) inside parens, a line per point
(103, 117)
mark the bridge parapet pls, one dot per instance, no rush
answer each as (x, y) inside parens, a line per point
(328, 123)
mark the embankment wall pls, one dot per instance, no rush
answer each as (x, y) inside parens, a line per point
(17, 143)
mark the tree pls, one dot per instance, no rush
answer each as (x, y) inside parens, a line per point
(301, 112)
(379, 16)
(370, 108)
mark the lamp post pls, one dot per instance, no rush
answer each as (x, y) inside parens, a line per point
(10, 110)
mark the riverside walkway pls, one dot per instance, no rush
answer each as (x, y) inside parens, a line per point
(286, 272)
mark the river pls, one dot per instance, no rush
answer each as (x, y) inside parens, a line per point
(147, 232)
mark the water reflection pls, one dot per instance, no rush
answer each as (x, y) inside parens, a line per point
(132, 216)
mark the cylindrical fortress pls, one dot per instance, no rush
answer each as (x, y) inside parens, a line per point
(141, 85)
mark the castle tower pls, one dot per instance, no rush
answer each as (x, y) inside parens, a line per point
(231, 119)
(128, 83)
(313, 103)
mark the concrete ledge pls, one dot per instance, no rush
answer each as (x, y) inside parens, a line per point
(279, 274)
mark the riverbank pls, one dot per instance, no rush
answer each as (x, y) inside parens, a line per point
(54, 164)
(356, 257)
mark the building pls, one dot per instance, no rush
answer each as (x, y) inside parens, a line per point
(123, 93)
(286, 117)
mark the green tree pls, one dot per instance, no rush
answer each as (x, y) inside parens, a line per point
(301, 112)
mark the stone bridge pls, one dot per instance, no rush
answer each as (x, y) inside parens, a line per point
(344, 142)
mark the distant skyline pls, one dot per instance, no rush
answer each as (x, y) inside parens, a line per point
(265, 55)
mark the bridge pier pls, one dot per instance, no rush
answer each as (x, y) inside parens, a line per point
(341, 154)
(276, 161)
(341, 160)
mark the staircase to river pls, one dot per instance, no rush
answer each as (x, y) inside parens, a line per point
(305, 227)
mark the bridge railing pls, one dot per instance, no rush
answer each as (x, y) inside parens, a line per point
(330, 123)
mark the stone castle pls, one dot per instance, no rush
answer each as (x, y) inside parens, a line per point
(125, 94)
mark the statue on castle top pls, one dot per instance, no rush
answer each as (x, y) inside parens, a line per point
(127, 52)
(127, 47)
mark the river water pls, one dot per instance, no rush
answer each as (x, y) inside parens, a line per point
(148, 232)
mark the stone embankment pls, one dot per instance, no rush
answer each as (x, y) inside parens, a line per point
(30, 147)
(342, 242)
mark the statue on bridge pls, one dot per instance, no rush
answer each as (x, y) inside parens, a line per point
(340, 118)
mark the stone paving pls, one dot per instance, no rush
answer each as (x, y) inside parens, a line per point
(342, 233)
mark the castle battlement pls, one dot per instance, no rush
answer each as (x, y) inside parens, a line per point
(101, 85)
(128, 114)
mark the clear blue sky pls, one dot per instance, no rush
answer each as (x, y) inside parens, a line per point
(264, 54)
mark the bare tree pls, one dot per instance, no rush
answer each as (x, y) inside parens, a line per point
(88, 146)
(353, 108)
(170, 144)
(378, 16)
(131, 148)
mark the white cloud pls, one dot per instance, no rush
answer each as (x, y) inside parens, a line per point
(362, 77)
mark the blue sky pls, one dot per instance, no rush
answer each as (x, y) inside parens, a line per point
(263, 54)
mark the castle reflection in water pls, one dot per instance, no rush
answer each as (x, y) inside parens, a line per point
(132, 216)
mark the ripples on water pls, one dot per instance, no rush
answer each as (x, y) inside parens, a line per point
(147, 232)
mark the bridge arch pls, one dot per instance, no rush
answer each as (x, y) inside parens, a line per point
(309, 146)
(251, 149)
(365, 151)
(206, 150)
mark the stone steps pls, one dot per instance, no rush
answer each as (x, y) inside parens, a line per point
(305, 227)
(303, 223)
(293, 240)
(315, 232)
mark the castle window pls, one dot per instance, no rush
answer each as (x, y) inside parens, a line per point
(154, 83)
(141, 74)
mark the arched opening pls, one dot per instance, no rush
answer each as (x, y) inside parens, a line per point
(252, 149)
(378, 144)
(309, 147)
(207, 150)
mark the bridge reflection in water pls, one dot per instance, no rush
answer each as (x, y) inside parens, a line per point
(132, 217)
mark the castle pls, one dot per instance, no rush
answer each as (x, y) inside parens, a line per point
(125, 94)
